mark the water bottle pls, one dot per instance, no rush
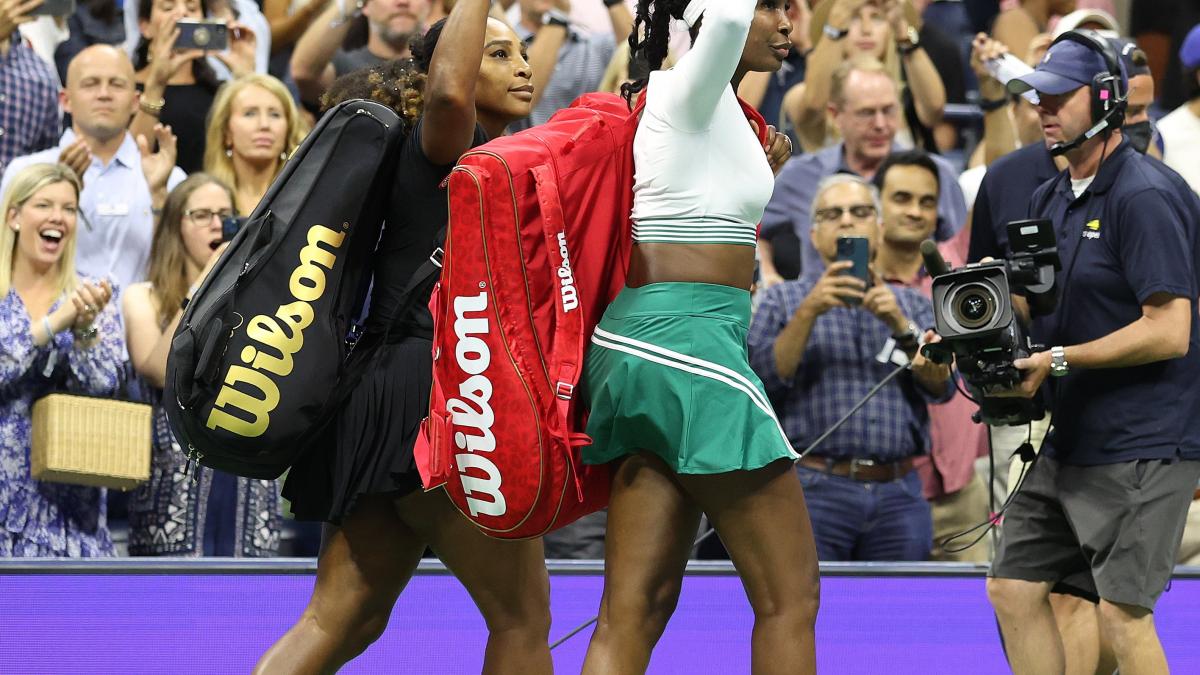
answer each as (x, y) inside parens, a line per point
(1009, 67)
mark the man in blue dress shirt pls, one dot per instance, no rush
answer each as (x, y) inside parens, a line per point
(122, 185)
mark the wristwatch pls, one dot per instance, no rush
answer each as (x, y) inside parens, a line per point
(910, 43)
(555, 17)
(911, 337)
(1058, 362)
(835, 33)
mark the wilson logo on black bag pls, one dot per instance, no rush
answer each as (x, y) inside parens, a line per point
(278, 338)
(260, 363)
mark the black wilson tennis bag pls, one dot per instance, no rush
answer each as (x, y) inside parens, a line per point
(256, 362)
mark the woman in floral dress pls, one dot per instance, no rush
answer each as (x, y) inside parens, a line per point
(58, 333)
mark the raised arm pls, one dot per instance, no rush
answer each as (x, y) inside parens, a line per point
(448, 125)
(621, 18)
(312, 66)
(148, 345)
(704, 73)
(928, 90)
(286, 28)
(806, 103)
(999, 129)
(543, 52)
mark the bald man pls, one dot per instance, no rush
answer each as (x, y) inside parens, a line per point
(122, 185)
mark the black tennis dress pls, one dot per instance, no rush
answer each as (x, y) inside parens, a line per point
(368, 448)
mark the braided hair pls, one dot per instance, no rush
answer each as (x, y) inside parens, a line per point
(652, 21)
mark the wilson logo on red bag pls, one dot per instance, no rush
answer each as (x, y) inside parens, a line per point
(471, 413)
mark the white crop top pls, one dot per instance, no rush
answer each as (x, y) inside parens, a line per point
(701, 176)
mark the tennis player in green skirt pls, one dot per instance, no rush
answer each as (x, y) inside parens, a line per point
(674, 404)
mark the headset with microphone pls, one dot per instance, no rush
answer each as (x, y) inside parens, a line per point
(1109, 93)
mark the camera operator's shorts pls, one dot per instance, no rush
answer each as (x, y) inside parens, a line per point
(1110, 531)
(668, 372)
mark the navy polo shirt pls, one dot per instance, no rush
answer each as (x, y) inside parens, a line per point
(1127, 237)
(1004, 197)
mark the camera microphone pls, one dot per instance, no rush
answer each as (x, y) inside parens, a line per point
(935, 264)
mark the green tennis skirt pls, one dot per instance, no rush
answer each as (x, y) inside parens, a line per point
(668, 372)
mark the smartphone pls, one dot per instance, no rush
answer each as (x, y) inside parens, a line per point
(210, 36)
(857, 250)
(230, 227)
(54, 8)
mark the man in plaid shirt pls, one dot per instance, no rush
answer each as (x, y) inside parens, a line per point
(820, 343)
(29, 119)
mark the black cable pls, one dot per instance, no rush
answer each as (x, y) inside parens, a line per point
(828, 432)
(963, 391)
(992, 485)
(858, 406)
(575, 632)
(994, 517)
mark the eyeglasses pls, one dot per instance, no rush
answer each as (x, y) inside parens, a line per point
(835, 213)
(202, 217)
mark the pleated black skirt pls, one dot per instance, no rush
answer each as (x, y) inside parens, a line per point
(368, 448)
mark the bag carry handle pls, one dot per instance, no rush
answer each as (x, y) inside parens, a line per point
(567, 356)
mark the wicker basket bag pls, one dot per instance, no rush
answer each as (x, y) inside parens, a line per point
(90, 441)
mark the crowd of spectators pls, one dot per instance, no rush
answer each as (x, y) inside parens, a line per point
(122, 154)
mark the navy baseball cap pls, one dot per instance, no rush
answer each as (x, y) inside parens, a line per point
(1066, 67)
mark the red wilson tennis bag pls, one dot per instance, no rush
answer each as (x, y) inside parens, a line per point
(537, 247)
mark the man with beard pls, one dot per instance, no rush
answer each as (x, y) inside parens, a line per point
(122, 186)
(319, 59)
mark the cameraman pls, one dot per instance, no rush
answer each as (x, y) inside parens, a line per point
(1101, 511)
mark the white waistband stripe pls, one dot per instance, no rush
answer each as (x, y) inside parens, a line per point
(683, 231)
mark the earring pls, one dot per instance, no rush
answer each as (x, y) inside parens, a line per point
(16, 226)
(229, 152)
(283, 156)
